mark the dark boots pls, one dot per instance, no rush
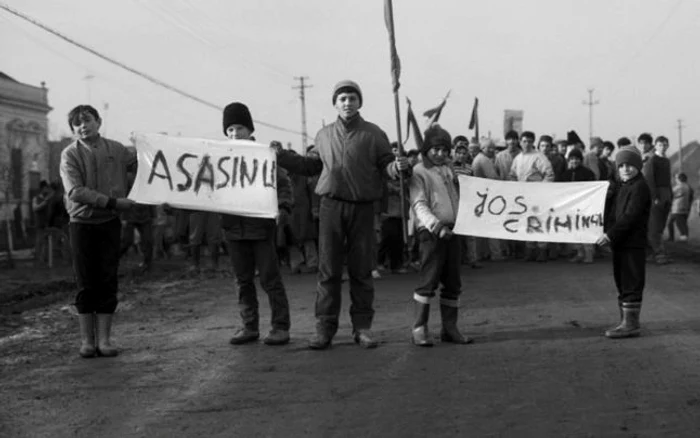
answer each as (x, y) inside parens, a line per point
(420, 335)
(450, 332)
(629, 326)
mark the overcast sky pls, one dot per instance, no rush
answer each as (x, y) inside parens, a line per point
(540, 56)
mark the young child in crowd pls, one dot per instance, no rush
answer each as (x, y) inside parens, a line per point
(94, 173)
(434, 201)
(627, 236)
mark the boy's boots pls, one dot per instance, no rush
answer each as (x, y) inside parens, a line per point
(449, 311)
(87, 334)
(420, 335)
(104, 332)
(629, 326)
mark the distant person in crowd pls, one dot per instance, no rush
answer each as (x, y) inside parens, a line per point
(94, 174)
(591, 159)
(435, 200)
(577, 172)
(645, 142)
(139, 218)
(413, 157)
(683, 196)
(42, 206)
(573, 141)
(354, 160)
(532, 166)
(504, 162)
(461, 153)
(484, 166)
(251, 242)
(204, 227)
(561, 149)
(627, 235)
(303, 224)
(657, 172)
(473, 150)
(504, 159)
(609, 174)
(391, 245)
(549, 149)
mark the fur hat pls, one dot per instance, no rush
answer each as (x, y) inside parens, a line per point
(629, 155)
(344, 85)
(436, 136)
(237, 113)
(572, 138)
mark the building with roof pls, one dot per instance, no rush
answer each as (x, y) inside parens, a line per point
(24, 155)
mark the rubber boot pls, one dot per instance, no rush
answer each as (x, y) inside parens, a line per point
(450, 332)
(104, 332)
(87, 334)
(629, 327)
(420, 335)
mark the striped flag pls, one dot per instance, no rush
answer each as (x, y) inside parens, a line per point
(395, 61)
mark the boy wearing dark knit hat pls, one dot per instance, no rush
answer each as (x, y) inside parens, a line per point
(435, 200)
(627, 235)
(354, 158)
(577, 172)
(253, 246)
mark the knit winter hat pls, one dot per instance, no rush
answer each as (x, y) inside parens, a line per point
(237, 114)
(629, 155)
(436, 136)
(575, 153)
(344, 86)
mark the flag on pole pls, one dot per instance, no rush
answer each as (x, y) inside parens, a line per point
(395, 61)
(412, 125)
(474, 121)
(433, 114)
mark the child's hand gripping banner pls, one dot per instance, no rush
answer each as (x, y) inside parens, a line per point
(570, 212)
(231, 176)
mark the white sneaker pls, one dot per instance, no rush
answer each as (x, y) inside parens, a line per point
(376, 275)
(683, 238)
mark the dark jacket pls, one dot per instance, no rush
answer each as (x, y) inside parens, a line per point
(303, 225)
(353, 158)
(630, 214)
(657, 171)
(580, 174)
(251, 228)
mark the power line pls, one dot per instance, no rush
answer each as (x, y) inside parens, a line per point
(130, 69)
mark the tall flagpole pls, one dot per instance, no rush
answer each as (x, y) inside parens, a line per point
(395, 73)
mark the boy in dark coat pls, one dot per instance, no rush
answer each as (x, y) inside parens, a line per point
(354, 160)
(627, 235)
(252, 244)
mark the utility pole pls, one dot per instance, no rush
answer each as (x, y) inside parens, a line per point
(302, 96)
(590, 104)
(680, 145)
(88, 78)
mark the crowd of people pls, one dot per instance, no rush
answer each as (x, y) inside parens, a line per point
(341, 215)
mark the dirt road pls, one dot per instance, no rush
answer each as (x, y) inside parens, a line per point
(539, 367)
